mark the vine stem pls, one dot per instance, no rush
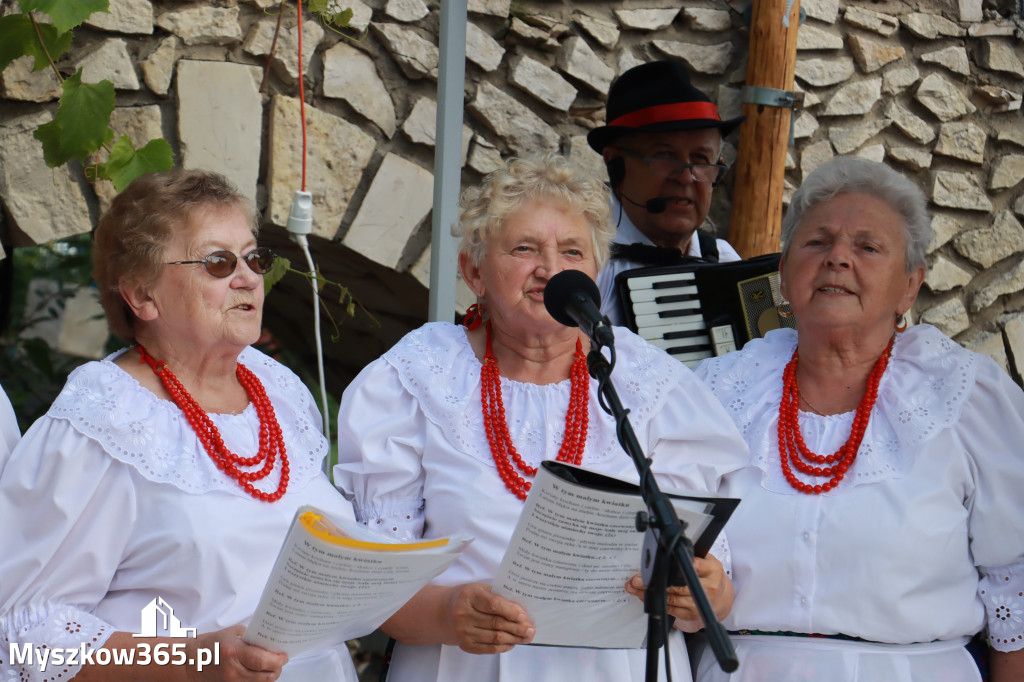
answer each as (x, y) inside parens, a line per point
(42, 45)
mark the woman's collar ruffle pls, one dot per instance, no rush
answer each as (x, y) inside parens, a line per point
(439, 369)
(134, 426)
(922, 392)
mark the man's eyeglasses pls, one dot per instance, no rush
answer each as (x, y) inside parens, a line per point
(222, 263)
(669, 168)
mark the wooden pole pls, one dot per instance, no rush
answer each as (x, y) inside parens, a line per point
(756, 219)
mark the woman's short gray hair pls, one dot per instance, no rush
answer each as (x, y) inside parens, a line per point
(484, 208)
(846, 174)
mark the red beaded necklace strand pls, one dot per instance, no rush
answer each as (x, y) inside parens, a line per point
(271, 441)
(496, 426)
(791, 443)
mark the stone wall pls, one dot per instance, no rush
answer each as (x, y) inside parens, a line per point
(933, 87)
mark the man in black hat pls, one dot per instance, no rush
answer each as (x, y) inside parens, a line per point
(662, 146)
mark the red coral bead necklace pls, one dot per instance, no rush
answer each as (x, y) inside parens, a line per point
(791, 444)
(496, 426)
(271, 440)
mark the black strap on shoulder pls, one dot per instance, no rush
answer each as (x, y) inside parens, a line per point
(650, 255)
(708, 246)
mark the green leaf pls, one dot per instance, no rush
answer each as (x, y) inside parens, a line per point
(342, 18)
(18, 38)
(66, 14)
(127, 163)
(316, 6)
(281, 266)
(82, 123)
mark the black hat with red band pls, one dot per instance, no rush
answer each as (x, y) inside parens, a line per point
(657, 97)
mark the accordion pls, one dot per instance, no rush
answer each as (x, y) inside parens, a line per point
(700, 310)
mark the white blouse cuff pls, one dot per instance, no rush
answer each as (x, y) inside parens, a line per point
(1002, 591)
(59, 628)
(402, 520)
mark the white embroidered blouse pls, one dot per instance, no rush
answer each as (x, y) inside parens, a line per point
(110, 501)
(923, 540)
(414, 458)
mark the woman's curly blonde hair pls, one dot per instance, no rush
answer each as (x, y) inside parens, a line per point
(484, 208)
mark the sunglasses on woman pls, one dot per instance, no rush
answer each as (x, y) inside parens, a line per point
(222, 263)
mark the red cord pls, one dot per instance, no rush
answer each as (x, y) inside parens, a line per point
(302, 101)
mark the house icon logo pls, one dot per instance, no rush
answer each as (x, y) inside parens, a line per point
(158, 620)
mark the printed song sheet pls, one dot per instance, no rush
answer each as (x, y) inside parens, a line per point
(334, 581)
(576, 545)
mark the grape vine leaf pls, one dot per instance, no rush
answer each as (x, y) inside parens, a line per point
(18, 38)
(127, 163)
(277, 271)
(66, 14)
(82, 123)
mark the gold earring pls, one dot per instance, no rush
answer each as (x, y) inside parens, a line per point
(900, 324)
(785, 310)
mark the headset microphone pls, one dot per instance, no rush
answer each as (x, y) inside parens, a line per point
(655, 205)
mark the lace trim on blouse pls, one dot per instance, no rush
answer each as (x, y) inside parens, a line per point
(1002, 591)
(921, 393)
(437, 366)
(54, 628)
(150, 434)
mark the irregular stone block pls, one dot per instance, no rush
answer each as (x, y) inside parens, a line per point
(709, 59)
(912, 157)
(43, 203)
(482, 49)
(416, 56)
(109, 60)
(998, 56)
(646, 19)
(953, 58)
(950, 317)
(349, 74)
(124, 16)
(1009, 282)
(158, 67)
(871, 55)
(823, 72)
(604, 32)
(337, 155)
(406, 10)
(810, 37)
(962, 140)
(399, 198)
(421, 126)
(576, 59)
(847, 139)
(931, 26)
(1008, 171)
(542, 83)
(854, 99)
(896, 80)
(912, 125)
(884, 24)
(943, 98)
(19, 82)
(987, 246)
(707, 20)
(285, 61)
(523, 131)
(220, 120)
(959, 190)
(945, 275)
(199, 25)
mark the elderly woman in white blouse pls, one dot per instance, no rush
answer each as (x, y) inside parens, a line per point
(166, 475)
(882, 522)
(442, 435)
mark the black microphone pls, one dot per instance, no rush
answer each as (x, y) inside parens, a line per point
(655, 205)
(572, 298)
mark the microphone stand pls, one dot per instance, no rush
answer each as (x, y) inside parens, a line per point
(666, 535)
